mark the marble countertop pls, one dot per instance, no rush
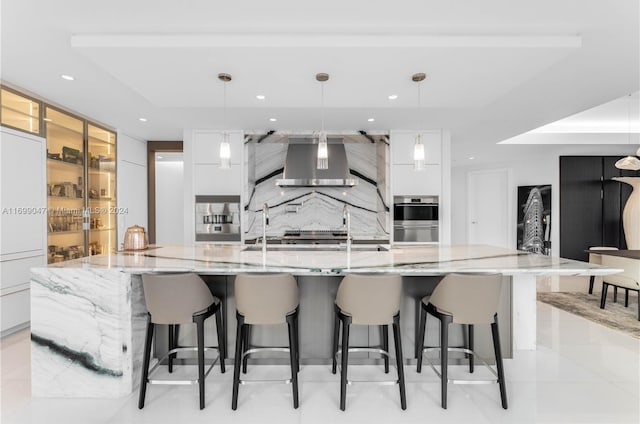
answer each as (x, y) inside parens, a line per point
(324, 260)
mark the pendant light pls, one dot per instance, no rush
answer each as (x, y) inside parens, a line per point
(418, 147)
(323, 151)
(225, 148)
(630, 163)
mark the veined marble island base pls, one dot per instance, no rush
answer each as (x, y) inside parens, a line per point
(88, 315)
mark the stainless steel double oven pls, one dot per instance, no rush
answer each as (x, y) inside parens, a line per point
(415, 219)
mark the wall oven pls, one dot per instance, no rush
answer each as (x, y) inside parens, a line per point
(415, 219)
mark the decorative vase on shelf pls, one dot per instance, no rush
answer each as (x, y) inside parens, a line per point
(631, 213)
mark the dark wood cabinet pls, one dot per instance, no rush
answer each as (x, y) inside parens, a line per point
(591, 204)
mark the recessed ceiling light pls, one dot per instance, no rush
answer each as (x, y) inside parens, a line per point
(261, 97)
(273, 119)
(371, 119)
(67, 77)
(471, 158)
(142, 119)
(392, 97)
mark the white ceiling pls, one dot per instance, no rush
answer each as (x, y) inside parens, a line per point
(495, 68)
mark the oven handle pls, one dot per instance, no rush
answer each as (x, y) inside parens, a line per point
(415, 224)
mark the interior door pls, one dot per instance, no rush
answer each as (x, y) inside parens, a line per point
(488, 207)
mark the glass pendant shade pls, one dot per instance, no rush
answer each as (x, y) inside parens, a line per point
(418, 154)
(323, 152)
(225, 152)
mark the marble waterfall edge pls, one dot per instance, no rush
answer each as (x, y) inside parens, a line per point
(87, 332)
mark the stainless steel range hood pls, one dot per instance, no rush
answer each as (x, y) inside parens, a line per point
(300, 166)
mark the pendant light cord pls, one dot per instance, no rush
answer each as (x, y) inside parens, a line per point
(224, 106)
(322, 105)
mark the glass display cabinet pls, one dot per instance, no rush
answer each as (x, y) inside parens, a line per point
(81, 184)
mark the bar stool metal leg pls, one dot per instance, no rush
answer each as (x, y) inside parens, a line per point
(346, 322)
(172, 345)
(498, 352)
(444, 357)
(145, 363)
(293, 355)
(626, 298)
(385, 346)
(421, 335)
(470, 347)
(237, 360)
(296, 342)
(200, 336)
(336, 335)
(222, 342)
(592, 279)
(246, 346)
(398, 343)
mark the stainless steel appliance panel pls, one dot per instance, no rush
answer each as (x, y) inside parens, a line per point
(416, 219)
(217, 218)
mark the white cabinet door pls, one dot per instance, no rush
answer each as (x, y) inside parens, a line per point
(206, 147)
(406, 181)
(23, 193)
(17, 271)
(402, 143)
(211, 180)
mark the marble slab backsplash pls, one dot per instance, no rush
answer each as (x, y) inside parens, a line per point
(318, 208)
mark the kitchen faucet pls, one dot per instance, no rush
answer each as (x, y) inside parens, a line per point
(346, 221)
(265, 222)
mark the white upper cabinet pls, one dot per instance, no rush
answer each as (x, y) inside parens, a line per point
(206, 146)
(402, 143)
(404, 179)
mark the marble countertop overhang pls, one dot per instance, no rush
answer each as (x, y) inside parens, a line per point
(230, 259)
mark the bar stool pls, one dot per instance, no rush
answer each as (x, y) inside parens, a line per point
(368, 299)
(265, 299)
(467, 299)
(176, 299)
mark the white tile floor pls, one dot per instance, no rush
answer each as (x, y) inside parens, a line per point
(581, 373)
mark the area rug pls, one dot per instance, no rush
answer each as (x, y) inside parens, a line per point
(585, 305)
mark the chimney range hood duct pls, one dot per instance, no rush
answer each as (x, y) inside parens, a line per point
(300, 166)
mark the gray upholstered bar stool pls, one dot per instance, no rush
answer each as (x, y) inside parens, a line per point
(176, 299)
(368, 299)
(265, 299)
(467, 299)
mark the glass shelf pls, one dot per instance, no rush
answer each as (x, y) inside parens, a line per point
(60, 233)
(64, 164)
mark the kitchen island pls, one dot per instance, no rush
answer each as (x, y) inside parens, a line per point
(88, 315)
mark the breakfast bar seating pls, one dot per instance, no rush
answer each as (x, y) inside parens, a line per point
(368, 300)
(469, 300)
(64, 296)
(266, 299)
(174, 299)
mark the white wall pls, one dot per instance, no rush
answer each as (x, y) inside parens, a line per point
(132, 183)
(534, 168)
(169, 213)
